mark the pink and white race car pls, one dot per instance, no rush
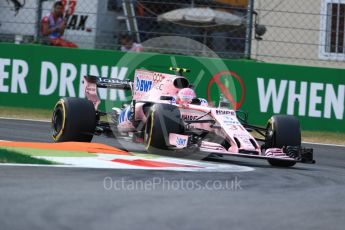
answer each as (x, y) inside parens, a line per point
(165, 114)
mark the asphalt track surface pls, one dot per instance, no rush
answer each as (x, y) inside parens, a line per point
(303, 197)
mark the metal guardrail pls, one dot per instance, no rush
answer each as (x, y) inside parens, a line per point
(305, 32)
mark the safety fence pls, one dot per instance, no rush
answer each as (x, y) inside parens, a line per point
(221, 25)
(308, 32)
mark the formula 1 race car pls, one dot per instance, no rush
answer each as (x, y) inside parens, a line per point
(165, 114)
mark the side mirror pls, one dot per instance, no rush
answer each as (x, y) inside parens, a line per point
(224, 104)
(166, 98)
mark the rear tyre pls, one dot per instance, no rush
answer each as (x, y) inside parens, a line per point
(282, 130)
(74, 119)
(162, 120)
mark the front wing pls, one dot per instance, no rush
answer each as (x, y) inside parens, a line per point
(287, 153)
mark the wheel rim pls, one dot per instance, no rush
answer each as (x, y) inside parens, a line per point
(147, 131)
(270, 136)
(57, 120)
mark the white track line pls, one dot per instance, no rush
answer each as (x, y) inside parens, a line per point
(22, 119)
(322, 144)
(207, 169)
(40, 165)
(47, 121)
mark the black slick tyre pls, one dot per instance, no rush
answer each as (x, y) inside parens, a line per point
(74, 119)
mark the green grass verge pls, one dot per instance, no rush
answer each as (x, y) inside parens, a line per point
(324, 137)
(25, 113)
(7, 156)
(47, 152)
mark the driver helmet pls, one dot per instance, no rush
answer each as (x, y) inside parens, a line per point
(203, 102)
(185, 96)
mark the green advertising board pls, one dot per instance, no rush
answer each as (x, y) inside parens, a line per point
(37, 76)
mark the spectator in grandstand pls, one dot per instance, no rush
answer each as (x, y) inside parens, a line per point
(53, 27)
(128, 44)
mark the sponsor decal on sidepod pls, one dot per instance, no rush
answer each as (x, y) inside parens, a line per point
(143, 85)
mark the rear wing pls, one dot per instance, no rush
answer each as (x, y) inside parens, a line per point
(111, 83)
(92, 82)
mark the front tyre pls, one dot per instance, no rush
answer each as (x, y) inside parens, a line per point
(74, 119)
(282, 130)
(162, 120)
